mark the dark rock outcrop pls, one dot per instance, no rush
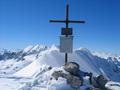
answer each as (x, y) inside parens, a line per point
(99, 82)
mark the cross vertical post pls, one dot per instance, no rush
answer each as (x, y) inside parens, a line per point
(67, 29)
(67, 10)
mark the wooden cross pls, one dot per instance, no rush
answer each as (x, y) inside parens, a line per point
(67, 21)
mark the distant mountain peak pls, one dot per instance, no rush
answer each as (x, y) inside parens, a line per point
(35, 48)
(54, 47)
(84, 49)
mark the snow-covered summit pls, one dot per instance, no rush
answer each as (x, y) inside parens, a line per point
(31, 60)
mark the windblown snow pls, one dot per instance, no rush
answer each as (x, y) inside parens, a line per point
(28, 69)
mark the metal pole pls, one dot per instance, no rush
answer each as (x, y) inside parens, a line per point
(66, 56)
(67, 21)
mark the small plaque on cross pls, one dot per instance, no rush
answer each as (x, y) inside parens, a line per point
(66, 32)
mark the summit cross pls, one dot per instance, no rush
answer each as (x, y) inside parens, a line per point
(67, 22)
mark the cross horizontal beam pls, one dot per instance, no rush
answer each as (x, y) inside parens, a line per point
(69, 21)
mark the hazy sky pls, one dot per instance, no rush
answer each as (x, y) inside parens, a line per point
(26, 22)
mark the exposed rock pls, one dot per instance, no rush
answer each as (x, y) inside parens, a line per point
(102, 80)
(73, 81)
(72, 68)
(94, 82)
(99, 82)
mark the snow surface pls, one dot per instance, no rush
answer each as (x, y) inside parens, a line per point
(30, 70)
(113, 85)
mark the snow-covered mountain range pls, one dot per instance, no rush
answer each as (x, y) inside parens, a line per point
(27, 69)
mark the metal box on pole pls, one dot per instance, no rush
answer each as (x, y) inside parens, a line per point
(66, 44)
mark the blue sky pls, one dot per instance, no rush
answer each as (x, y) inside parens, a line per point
(26, 22)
